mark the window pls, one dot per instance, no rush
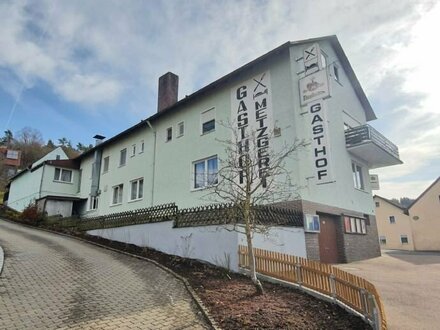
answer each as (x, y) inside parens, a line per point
(353, 225)
(117, 194)
(169, 136)
(404, 239)
(377, 204)
(392, 219)
(205, 172)
(207, 119)
(123, 157)
(142, 147)
(12, 154)
(137, 189)
(93, 203)
(133, 150)
(63, 175)
(382, 240)
(312, 223)
(106, 164)
(180, 129)
(336, 72)
(58, 157)
(358, 179)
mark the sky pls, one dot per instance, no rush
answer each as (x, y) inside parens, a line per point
(78, 68)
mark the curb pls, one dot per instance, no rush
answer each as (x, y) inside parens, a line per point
(2, 259)
(188, 287)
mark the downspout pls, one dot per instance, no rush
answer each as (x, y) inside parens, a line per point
(41, 182)
(41, 187)
(154, 162)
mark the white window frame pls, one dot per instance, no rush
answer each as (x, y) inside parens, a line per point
(358, 180)
(202, 121)
(93, 203)
(60, 176)
(139, 191)
(382, 240)
(393, 221)
(106, 162)
(142, 149)
(181, 132)
(133, 150)
(169, 138)
(125, 157)
(312, 223)
(205, 178)
(120, 197)
(404, 236)
(354, 225)
(12, 154)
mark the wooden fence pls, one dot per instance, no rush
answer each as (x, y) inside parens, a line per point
(353, 291)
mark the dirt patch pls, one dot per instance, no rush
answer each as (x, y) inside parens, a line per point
(231, 300)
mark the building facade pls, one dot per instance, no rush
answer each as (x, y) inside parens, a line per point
(300, 90)
(414, 228)
(394, 226)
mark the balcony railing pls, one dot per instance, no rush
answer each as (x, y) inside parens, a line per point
(364, 134)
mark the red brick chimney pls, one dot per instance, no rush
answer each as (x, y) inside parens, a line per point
(168, 91)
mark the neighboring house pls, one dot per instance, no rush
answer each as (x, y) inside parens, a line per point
(414, 228)
(393, 225)
(300, 90)
(10, 161)
(52, 175)
(424, 213)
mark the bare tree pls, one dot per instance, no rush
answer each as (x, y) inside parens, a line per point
(253, 173)
(30, 142)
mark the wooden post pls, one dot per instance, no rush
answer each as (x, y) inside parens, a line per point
(333, 286)
(298, 273)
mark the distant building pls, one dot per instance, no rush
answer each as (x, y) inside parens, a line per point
(414, 228)
(300, 90)
(393, 225)
(10, 162)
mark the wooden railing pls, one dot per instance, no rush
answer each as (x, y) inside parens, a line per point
(353, 291)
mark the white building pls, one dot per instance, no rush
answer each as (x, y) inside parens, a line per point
(305, 90)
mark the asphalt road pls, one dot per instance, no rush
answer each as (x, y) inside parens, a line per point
(409, 284)
(53, 282)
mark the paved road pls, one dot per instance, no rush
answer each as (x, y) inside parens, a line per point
(409, 283)
(53, 282)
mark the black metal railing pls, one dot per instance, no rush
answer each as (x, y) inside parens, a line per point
(364, 133)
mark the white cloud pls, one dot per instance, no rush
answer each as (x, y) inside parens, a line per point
(100, 52)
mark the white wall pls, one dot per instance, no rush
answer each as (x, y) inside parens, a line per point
(63, 208)
(289, 240)
(210, 243)
(213, 244)
(25, 189)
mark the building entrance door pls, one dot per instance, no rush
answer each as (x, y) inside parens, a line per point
(328, 248)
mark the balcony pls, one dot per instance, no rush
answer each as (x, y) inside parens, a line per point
(371, 146)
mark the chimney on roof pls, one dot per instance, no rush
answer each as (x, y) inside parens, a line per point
(98, 139)
(168, 91)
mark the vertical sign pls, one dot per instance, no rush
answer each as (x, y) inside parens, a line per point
(251, 113)
(320, 142)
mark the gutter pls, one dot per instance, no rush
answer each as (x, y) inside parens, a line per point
(154, 161)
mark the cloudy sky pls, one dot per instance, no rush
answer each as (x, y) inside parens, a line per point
(77, 68)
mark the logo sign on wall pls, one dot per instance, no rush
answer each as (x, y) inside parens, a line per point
(374, 181)
(314, 87)
(251, 113)
(320, 142)
(312, 59)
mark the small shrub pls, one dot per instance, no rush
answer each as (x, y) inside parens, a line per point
(32, 215)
